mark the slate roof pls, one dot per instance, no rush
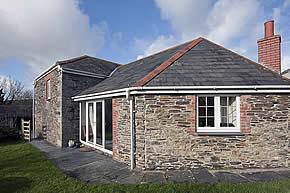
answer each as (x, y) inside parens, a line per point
(89, 64)
(208, 64)
(85, 63)
(127, 75)
(195, 63)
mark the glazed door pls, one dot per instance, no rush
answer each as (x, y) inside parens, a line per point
(97, 130)
(90, 126)
(99, 123)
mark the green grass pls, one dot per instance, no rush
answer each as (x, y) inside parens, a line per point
(24, 169)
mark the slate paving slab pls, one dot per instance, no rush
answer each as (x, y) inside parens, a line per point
(285, 173)
(97, 169)
(265, 176)
(203, 176)
(230, 177)
(94, 167)
(134, 178)
(100, 180)
(179, 176)
(118, 175)
(77, 159)
(152, 177)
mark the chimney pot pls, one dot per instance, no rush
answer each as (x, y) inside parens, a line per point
(269, 28)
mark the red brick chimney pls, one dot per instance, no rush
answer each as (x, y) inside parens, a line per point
(269, 52)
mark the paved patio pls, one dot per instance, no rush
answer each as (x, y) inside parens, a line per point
(94, 167)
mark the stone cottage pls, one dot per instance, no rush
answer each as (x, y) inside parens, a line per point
(56, 116)
(194, 105)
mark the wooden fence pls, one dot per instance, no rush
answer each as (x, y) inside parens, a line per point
(25, 127)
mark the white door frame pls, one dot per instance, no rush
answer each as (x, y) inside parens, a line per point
(95, 145)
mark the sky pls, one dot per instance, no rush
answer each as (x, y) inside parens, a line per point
(36, 33)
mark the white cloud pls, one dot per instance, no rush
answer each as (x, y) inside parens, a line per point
(234, 24)
(286, 4)
(41, 32)
(188, 17)
(161, 43)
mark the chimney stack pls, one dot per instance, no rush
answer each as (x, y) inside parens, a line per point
(269, 51)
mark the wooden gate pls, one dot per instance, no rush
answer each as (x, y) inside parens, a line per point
(25, 127)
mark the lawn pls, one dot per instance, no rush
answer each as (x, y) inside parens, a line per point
(24, 169)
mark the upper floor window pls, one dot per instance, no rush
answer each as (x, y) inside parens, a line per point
(218, 113)
(48, 89)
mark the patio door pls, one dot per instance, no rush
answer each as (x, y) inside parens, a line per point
(96, 130)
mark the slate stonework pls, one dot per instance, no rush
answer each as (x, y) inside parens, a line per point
(121, 129)
(166, 137)
(71, 86)
(57, 119)
(48, 112)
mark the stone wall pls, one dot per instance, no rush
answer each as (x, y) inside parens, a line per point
(166, 137)
(71, 86)
(57, 119)
(121, 129)
(48, 112)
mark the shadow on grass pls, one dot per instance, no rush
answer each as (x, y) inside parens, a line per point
(14, 184)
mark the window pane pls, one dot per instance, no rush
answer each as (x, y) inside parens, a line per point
(108, 125)
(91, 122)
(201, 101)
(223, 111)
(83, 121)
(223, 122)
(99, 123)
(223, 101)
(232, 121)
(210, 101)
(201, 111)
(232, 101)
(210, 111)
(210, 122)
(201, 122)
(232, 111)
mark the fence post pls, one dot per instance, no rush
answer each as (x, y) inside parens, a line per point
(22, 127)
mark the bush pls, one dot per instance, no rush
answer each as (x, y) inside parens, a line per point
(9, 133)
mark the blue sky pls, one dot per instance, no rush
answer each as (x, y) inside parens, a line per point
(35, 34)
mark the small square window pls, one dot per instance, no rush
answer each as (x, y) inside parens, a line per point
(218, 114)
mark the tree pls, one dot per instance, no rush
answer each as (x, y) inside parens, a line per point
(1, 96)
(11, 89)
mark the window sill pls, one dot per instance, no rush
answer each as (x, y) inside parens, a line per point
(220, 133)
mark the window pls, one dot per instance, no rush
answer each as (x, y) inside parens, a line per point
(218, 114)
(48, 89)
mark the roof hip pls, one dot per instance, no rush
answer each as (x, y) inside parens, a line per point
(167, 63)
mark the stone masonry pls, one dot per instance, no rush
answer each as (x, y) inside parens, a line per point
(48, 112)
(57, 119)
(121, 129)
(72, 85)
(166, 135)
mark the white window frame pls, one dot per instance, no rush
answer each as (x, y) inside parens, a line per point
(217, 118)
(87, 142)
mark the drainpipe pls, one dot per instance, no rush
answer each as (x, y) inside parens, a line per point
(33, 105)
(132, 128)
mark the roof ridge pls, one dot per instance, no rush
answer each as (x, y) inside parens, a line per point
(248, 60)
(167, 63)
(159, 52)
(82, 57)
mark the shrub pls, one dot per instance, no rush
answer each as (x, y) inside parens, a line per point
(9, 133)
